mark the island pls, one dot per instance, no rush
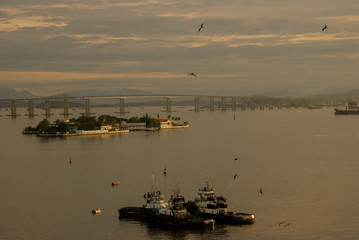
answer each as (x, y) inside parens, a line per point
(104, 124)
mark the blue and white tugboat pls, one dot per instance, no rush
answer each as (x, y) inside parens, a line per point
(154, 201)
(208, 205)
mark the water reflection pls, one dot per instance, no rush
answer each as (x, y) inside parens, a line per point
(157, 232)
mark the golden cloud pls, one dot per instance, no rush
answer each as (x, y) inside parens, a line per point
(17, 23)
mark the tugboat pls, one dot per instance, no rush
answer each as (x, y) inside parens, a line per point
(177, 216)
(154, 201)
(208, 205)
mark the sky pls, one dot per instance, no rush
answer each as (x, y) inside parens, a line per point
(245, 46)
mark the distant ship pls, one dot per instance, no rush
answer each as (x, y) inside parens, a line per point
(351, 108)
(339, 111)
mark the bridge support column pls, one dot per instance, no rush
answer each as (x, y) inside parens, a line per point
(224, 104)
(196, 104)
(66, 106)
(87, 107)
(211, 104)
(234, 104)
(280, 104)
(169, 106)
(47, 108)
(253, 104)
(242, 103)
(30, 109)
(122, 106)
(13, 109)
(261, 104)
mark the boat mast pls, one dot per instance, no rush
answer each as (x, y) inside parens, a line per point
(208, 179)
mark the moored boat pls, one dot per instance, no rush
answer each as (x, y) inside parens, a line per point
(177, 216)
(208, 205)
(339, 111)
(154, 201)
(351, 108)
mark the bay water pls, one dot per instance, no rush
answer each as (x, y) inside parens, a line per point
(305, 161)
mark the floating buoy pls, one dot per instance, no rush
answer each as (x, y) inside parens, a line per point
(96, 211)
(115, 183)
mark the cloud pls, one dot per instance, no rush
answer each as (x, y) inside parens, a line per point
(65, 76)
(17, 23)
(320, 37)
(87, 5)
(189, 15)
(259, 40)
(344, 19)
(10, 11)
(147, 43)
(91, 39)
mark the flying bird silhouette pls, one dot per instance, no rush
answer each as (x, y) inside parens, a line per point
(235, 159)
(261, 191)
(193, 74)
(234, 177)
(285, 224)
(325, 27)
(200, 27)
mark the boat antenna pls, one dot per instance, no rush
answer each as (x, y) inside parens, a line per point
(208, 179)
(153, 181)
(177, 190)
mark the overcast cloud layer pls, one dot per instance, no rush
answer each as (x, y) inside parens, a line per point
(246, 46)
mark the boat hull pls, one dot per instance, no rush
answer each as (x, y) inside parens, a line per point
(346, 112)
(190, 222)
(235, 219)
(137, 213)
(154, 219)
(222, 218)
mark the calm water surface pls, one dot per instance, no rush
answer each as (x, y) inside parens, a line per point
(306, 162)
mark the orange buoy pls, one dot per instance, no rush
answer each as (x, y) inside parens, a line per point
(115, 183)
(96, 211)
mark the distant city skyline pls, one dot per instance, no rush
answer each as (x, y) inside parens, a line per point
(245, 47)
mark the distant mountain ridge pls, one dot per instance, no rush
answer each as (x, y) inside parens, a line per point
(10, 93)
(123, 91)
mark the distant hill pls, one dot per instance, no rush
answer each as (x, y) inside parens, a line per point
(346, 95)
(331, 93)
(123, 91)
(10, 93)
(283, 93)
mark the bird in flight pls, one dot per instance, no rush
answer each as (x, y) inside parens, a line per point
(235, 159)
(200, 27)
(193, 74)
(261, 191)
(234, 177)
(285, 224)
(325, 27)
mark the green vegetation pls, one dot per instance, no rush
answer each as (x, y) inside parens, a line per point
(92, 123)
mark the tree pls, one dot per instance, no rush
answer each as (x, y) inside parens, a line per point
(107, 119)
(88, 123)
(43, 126)
(134, 120)
(62, 126)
